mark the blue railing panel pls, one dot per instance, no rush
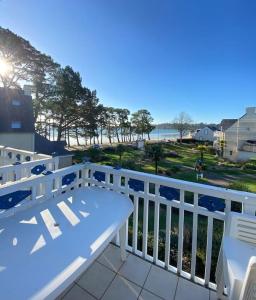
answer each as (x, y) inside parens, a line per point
(211, 203)
(169, 193)
(136, 185)
(12, 199)
(100, 176)
(69, 178)
(38, 169)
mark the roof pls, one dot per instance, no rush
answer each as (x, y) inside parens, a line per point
(45, 146)
(226, 123)
(213, 128)
(22, 112)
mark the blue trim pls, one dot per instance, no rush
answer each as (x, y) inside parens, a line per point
(169, 193)
(69, 178)
(16, 163)
(9, 154)
(27, 158)
(18, 157)
(47, 173)
(10, 200)
(211, 203)
(100, 176)
(38, 169)
(136, 185)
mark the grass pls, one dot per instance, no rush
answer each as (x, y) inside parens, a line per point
(217, 170)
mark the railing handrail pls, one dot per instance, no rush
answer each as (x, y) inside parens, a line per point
(28, 182)
(25, 164)
(210, 190)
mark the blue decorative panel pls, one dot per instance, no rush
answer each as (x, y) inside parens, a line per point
(38, 169)
(9, 154)
(169, 193)
(18, 157)
(136, 185)
(100, 176)
(211, 203)
(17, 163)
(28, 158)
(12, 199)
(69, 178)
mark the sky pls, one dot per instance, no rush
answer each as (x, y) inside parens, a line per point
(166, 56)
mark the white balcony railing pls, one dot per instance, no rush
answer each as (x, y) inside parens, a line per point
(181, 234)
(11, 155)
(16, 164)
(16, 172)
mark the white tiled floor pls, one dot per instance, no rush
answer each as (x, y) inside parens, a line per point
(111, 279)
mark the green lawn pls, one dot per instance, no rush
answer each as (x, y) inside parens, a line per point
(182, 167)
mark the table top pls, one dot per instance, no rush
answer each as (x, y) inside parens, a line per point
(45, 248)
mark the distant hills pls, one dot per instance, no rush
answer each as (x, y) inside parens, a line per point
(193, 125)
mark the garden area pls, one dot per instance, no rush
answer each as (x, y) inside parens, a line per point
(178, 161)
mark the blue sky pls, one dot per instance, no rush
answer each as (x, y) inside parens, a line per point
(164, 55)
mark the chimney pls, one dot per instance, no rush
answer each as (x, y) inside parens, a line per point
(251, 110)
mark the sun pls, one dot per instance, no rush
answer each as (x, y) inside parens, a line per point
(4, 67)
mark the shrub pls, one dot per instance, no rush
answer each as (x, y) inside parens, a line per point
(212, 150)
(173, 154)
(95, 154)
(250, 165)
(129, 164)
(237, 185)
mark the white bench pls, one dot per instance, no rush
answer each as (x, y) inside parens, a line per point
(236, 269)
(43, 249)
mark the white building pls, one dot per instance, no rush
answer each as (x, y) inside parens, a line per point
(208, 133)
(240, 138)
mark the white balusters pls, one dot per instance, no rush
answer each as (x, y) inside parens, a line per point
(194, 237)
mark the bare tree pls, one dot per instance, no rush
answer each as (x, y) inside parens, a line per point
(182, 123)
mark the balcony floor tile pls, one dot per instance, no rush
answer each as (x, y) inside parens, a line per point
(189, 290)
(135, 269)
(161, 283)
(77, 293)
(111, 258)
(110, 279)
(122, 289)
(146, 295)
(96, 280)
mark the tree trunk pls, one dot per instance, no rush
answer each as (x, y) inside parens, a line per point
(117, 136)
(181, 135)
(156, 166)
(59, 128)
(77, 139)
(148, 136)
(101, 135)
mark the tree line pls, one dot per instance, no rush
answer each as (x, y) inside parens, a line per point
(63, 107)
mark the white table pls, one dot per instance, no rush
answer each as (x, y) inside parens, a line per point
(45, 248)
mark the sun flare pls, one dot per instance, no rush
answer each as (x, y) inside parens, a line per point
(4, 67)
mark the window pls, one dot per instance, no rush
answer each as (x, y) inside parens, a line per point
(16, 124)
(15, 102)
(230, 152)
(206, 131)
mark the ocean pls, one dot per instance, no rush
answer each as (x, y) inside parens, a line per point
(156, 134)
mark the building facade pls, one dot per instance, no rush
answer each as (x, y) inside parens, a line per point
(240, 138)
(16, 119)
(207, 133)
